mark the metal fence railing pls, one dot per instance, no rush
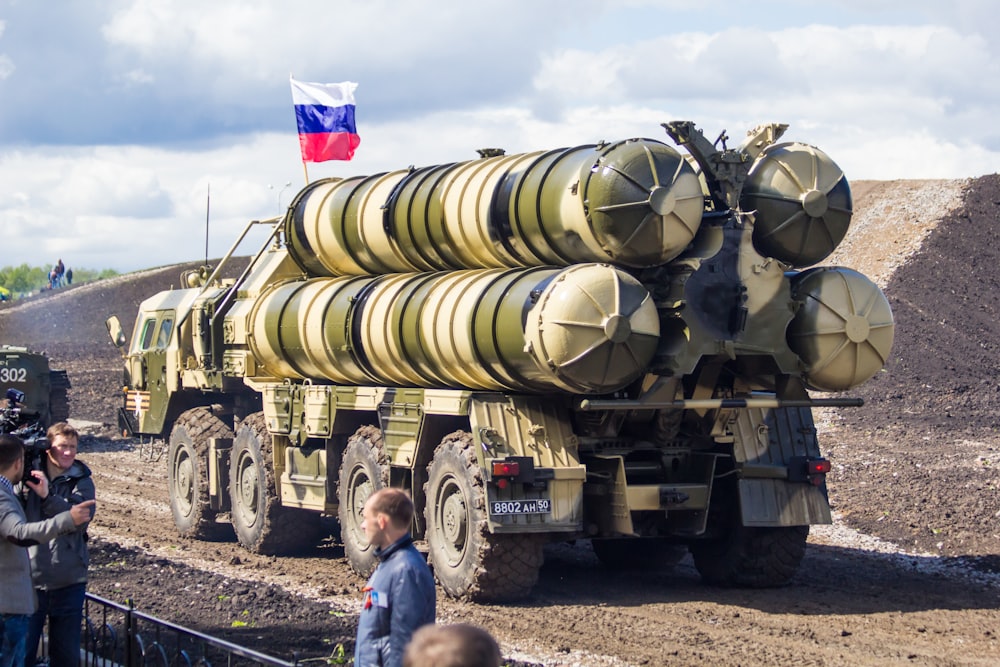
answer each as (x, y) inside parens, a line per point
(117, 635)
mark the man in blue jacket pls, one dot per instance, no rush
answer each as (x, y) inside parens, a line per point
(17, 597)
(399, 597)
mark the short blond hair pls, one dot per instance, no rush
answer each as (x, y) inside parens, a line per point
(457, 645)
(64, 429)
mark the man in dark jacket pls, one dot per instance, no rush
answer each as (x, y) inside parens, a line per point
(17, 599)
(399, 597)
(59, 567)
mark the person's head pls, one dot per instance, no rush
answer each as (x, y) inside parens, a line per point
(458, 645)
(11, 457)
(386, 516)
(63, 443)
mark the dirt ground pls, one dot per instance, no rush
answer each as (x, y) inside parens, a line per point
(909, 573)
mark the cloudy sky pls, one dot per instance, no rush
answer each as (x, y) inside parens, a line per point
(118, 116)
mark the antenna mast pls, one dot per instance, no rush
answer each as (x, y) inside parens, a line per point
(208, 202)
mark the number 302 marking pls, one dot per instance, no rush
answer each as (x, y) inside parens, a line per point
(13, 374)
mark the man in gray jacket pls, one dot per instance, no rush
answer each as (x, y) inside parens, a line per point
(17, 597)
(399, 597)
(59, 567)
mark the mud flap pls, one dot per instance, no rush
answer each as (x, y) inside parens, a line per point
(775, 502)
(774, 440)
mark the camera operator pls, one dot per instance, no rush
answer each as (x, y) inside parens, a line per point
(59, 566)
(17, 598)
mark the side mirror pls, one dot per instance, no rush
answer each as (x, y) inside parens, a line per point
(115, 331)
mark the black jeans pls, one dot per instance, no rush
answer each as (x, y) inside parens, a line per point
(64, 607)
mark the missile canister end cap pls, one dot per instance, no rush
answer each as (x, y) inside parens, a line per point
(644, 202)
(802, 203)
(843, 329)
(595, 328)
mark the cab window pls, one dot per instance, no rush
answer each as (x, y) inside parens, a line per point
(146, 337)
(163, 338)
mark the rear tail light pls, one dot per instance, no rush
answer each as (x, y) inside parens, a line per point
(819, 467)
(506, 469)
(817, 470)
(808, 469)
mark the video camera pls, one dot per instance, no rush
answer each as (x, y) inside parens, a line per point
(10, 414)
(15, 422)
(34, 449)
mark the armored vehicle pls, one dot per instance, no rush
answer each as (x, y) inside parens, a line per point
(614, 341)
(44, 388)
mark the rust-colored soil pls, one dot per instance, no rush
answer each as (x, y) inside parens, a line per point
(910, 574)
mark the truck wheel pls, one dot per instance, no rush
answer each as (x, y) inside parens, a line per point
(468, 560)
(364, 470)
(751, 557)
(630, 553)
(262, 525)
(187, 477)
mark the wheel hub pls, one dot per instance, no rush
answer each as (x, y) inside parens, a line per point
(184, 483)
(361, 491)
(248, 489)
(454, 520)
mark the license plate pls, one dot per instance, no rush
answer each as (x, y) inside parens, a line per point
(533, 506)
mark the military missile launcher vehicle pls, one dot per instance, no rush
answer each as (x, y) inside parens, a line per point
(621, 342)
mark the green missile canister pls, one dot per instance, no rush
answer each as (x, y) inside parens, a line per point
(635, 203)
(589, 328)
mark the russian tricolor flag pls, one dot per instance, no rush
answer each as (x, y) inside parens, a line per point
(325, 116)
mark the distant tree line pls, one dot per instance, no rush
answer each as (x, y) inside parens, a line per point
(25, 279)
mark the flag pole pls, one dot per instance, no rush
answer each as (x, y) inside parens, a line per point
(305, 170)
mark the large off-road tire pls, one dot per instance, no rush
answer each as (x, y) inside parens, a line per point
(649, 553)
(187, 474)
(751, 557)
(363, 471)
(469, 561)
(262, 525)
(58, 398)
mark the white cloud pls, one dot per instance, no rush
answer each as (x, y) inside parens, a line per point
(115, 125)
